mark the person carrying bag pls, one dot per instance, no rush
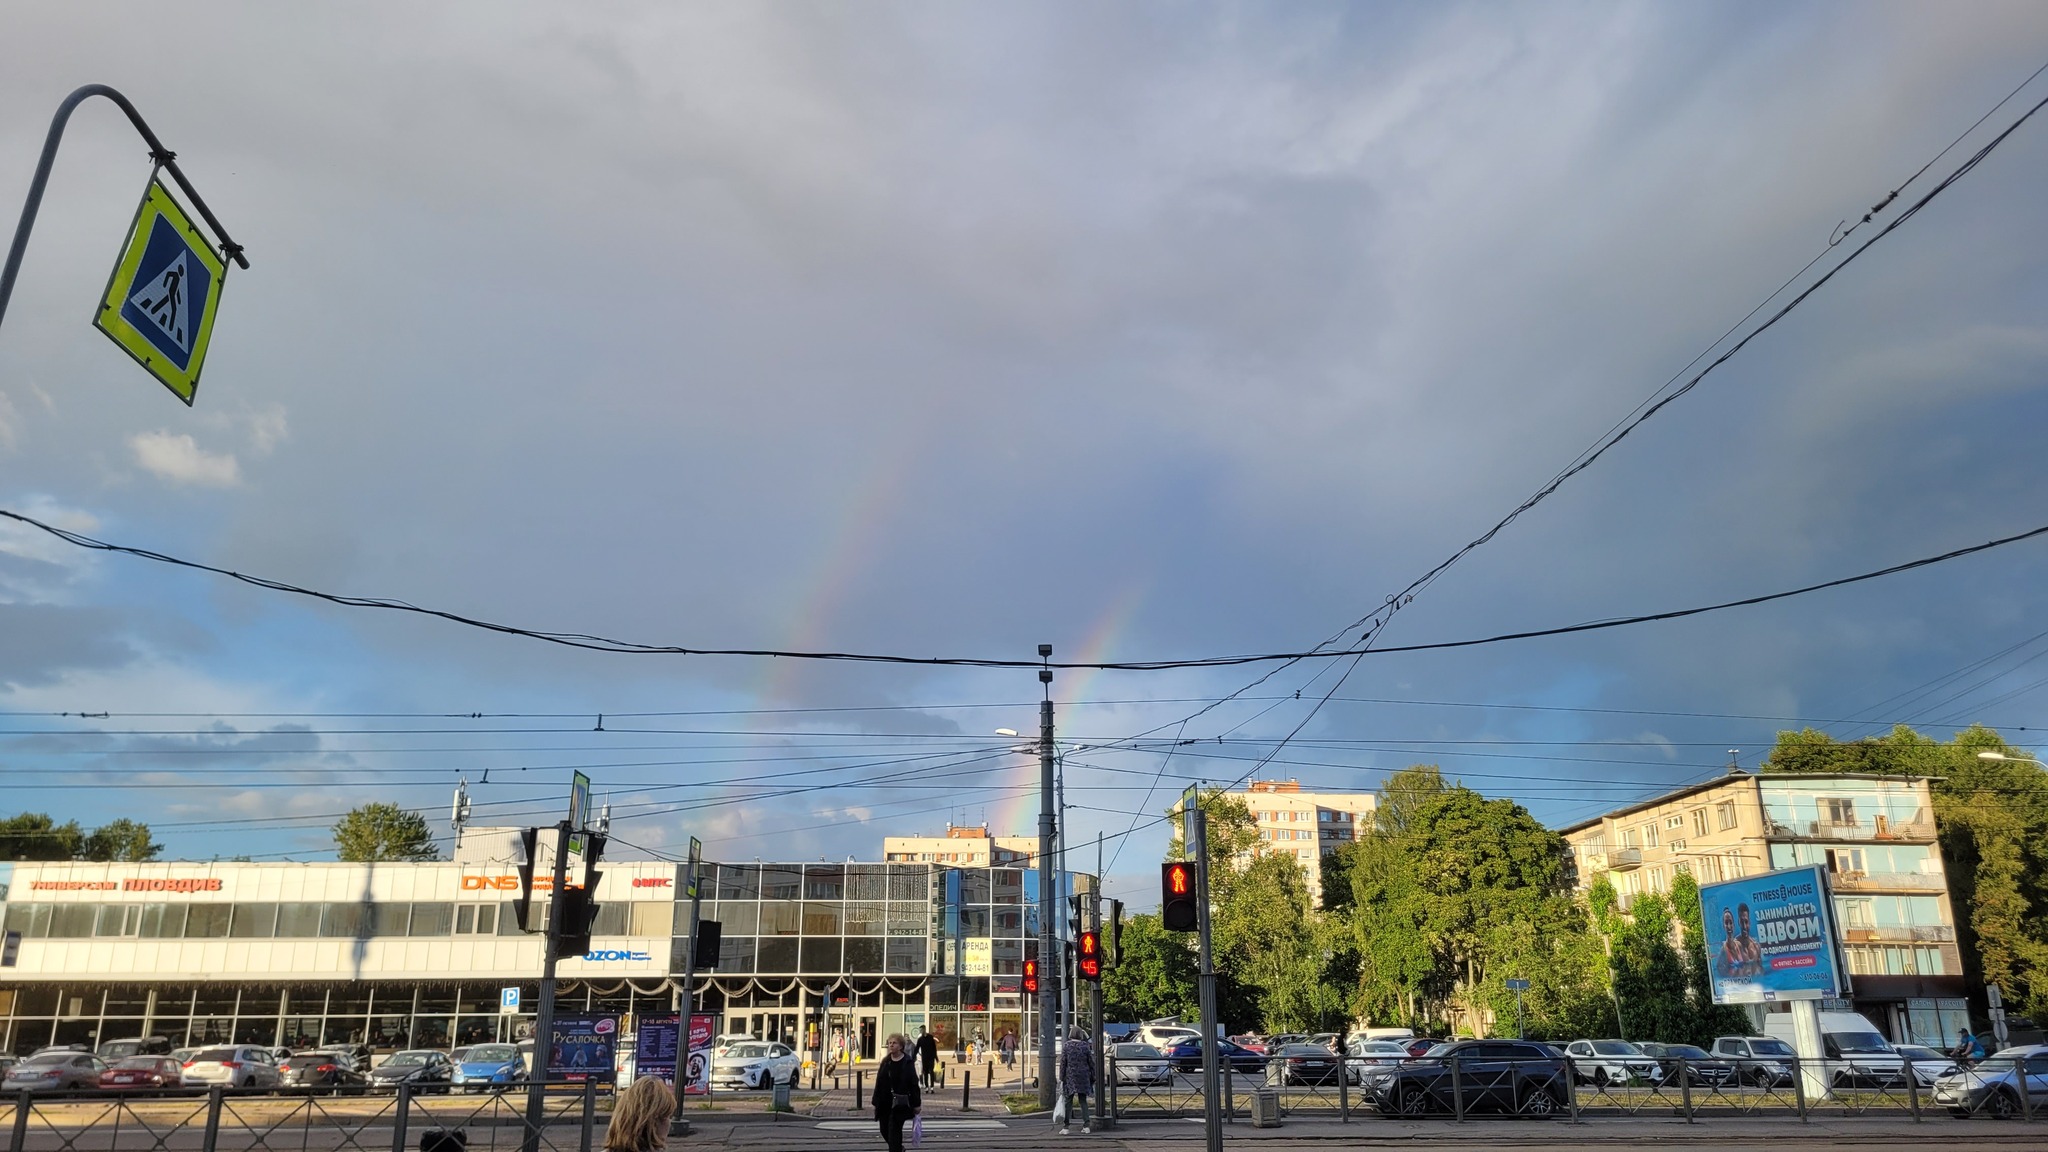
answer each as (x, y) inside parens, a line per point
(897, 1096)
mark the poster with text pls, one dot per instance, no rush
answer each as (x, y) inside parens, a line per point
(699, 1083)
(1770, 938)
(584, 1048)
(655, 1046)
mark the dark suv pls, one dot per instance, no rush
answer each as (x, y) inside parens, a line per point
(1517, 1077)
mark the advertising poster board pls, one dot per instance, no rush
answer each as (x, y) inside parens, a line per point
(980, 957)
(1771, 938)
(585, 1047)
(699, 1068)
(654, 1048)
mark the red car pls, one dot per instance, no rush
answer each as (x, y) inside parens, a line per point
(1250, 1043)
(140, 1072)
(1421, 1045)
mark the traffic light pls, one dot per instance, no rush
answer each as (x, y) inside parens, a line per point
(1090, 956)
(1177, 911)
(708, 934)
(577, 907)
(1031, 977)
(1073, 916)
(1113, 946)
(529, 841)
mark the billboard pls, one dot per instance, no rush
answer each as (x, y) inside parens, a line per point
(1771, 937)
(585, 1048)
(660, 1039)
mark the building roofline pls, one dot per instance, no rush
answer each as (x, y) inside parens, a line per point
(1719, 781)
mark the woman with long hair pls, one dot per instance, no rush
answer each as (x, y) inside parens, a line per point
(897, 1095)
(640, 1117)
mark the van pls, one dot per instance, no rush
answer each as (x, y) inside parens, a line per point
(1385, 1034)
(1857, 1053)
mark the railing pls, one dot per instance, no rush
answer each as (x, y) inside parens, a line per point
(1900, 934)
(1888, 881)
(1460, 1087)
(263, 1120)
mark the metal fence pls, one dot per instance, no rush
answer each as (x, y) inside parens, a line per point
(1465, 1087)
(299, 1120)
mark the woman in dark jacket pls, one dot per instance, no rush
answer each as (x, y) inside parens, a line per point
(897, 1096)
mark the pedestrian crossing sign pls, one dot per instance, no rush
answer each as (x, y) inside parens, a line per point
(161, 299)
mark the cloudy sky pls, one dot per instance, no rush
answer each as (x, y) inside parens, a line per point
(1149, 331)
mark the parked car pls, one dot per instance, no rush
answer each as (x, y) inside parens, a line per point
(246, 1066)
(1276, 1043)
(457, 1055)
(1421, 1045)
(182, 1055)
(1251, 1042)
(6, 1062)
(1186, 1056)
(1372, 1059)
(1303, 1064)
(1763, 1061)
(52, 1071)
(1324, 1040)
(1164, 1036)
(1927, 1064)
(1141, 1065)
(1606, 1062)
(143, 1074)
(115, 1051)
(726, 1040)
(490, 1068)
(321, 1069)
(1700, 1069)
(1517, 1077)
(754, 1065)
(421, 1069)
(1995, 1085)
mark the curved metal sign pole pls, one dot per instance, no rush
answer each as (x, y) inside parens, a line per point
(157, 152)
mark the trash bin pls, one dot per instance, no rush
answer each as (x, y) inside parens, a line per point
(1265, 1108)
(780, 1102)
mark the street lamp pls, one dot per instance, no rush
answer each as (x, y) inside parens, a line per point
(2014, 759)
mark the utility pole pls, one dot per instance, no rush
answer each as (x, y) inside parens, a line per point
(1102, 1119)
(1048, 905)
(1069, 978)
(679, 1124)
(1212, 1095)
(544, 1013)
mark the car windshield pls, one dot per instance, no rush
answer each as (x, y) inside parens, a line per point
(1616, 1048)
(1771, 1048)
(1860, 1043)
(406, 1060)
(750, 1051)
(214, 1056)
(1137, 1052)
(143, 1063)
(1997, 1065)
(1685, 1051)
(44, 1059)
(1916, 1052)
(1383, 1048)
(493, 1054)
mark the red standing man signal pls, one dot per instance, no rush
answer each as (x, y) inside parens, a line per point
(1177, 910)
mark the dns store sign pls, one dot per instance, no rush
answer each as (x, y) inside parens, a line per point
(507, 884)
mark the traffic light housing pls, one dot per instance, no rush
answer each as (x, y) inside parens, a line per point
(1089, 953)
(577, 906)
(1177, 910)
(1113, 943)
(529, 843)
(705, 956)
(1031, 977)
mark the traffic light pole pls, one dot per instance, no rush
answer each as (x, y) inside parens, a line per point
(1212, 1094)
(679, 1124)
(1049, 960)
(544, 1012)
(1102, 1118)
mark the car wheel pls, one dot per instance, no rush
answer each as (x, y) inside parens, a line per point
(2002, 1105)
(1600, 1077)
(1412, 1102)
(1536, 1103)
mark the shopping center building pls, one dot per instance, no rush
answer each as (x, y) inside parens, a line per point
(419, 954)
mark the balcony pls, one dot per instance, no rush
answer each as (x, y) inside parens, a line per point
(1901, 934)
(1888, 882)
(1912, 831)
(1615, 860)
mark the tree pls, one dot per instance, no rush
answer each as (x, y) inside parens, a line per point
(34, 836)
(1992, 821)
(1711, 1019)
(1156, 975)
(381, 831)
(120, 840)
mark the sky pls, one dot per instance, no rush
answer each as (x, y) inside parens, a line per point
(1147, 331)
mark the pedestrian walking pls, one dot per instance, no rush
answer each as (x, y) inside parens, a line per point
(640, 1118)
(897, 1096)
(1077, 1077)
(927, 1057)
(1009, 1048)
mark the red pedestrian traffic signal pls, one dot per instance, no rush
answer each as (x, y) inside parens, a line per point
(1177, 910)
(1031, 977)
(1090, 957)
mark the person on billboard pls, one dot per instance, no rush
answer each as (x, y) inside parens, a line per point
(897, 1096)
(1752, 952)
(1730, 959)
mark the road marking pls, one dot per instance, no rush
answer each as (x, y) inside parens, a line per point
(929, 1125)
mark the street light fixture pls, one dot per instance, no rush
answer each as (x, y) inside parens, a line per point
(2014, 759)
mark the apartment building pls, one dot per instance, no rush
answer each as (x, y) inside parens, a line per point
(963, 845)
(1306, 825)
(1874, 834)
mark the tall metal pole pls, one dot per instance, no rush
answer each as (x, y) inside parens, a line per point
(1102, 1119)
(1069, 976)
(544, 1014)
(1048, 906)
(679, 1124)
(157, 152)
(1212, 1095)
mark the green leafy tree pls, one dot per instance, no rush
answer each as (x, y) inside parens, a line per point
(34, 836)
(1155, 977)
(1992, 820)
(382, 831)
(120, 840)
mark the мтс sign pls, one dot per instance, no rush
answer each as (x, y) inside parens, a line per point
(160, 302)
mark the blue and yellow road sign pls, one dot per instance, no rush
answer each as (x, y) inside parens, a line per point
(161, 300)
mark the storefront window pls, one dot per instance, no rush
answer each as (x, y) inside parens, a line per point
(824, 881)
(253, 920)
(162, 921)
(207, 921)
(71, 921)
(345, 921)
(867, 882)
(739, 882)
(820, 954)
(821, 920)
(777, 954)
(781, 883)
(911, 882)
(735, 954)
(298, 921)
(864, 955)
(781, 919)
(866, 919)
(738, 919)
(432, 920)
(390, 919)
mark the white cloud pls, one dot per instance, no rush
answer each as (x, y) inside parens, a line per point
(178, 458)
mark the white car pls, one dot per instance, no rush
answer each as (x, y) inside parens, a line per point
(1927, 1064)
(246, 1066)
(1372, 1059)
(754, 1064)
(1141, 1065)
(1612, 1062)
(721, 1042)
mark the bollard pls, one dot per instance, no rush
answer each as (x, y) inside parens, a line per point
(400, 1114)
(1685, 1088)
(991, 1081)
(1457, 1090)
(589, 1113)
(1913, 1091)
(1571, 1088)
(858, 1091)
(967, 1091)
(1343, 1090)
(1799, 1085)
(23, 1103)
